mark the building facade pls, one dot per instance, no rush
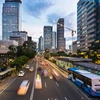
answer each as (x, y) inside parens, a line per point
(60, 35)
(19, 36)
(74, 47)
(22, 34)
(88, 23)
(54, 40)
(48, 37)
(11, 17)
(40, 46)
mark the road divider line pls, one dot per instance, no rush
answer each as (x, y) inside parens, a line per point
(8, 85)
(57, 84)
(65, 98)
(45, 84)
(32, 93)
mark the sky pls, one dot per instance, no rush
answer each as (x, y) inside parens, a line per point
(39, 13)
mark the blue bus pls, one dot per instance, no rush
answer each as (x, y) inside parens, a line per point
(88, 81)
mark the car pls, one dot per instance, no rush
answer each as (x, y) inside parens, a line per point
(21, 73)
(38, 82)
(45, 72)
(56, 75)
(31, 69)
(22, 90)
(27, 67)
(51, 77)
(39, 68)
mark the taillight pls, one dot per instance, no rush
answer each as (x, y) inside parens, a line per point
(18, 89)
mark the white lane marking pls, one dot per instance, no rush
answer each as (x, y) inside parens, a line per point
(48, 99)
(8, 85)
(32, 93)
(65, 98)
(45, 84)
(57, 84)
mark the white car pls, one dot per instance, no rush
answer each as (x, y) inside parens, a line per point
(21, 73)
(31, 69)
(27, 67)
(23, 87)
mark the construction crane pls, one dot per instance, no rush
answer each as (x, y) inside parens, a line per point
(72, 32)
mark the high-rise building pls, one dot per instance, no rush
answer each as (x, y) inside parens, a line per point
(19, 36)
(48, 37)
(74, 47)
(60, 35)
(40, 46)
(11, 17)
(54, 40)
(22, 34)
(88, 23)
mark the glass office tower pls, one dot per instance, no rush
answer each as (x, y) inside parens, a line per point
(54, 40)
(88, 23)
(48, 37)
(60, 35)
(11, 18)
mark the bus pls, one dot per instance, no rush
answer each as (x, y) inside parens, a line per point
(5, 73)
(88, 81)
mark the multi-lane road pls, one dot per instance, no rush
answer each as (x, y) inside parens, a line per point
(51, 88)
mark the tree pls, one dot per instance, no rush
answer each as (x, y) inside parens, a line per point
(79, 53)
(12, 52)
(19, 62)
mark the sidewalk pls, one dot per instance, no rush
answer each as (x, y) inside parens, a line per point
(5, 82)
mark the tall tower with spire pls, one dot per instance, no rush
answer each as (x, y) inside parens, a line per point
(11, 18)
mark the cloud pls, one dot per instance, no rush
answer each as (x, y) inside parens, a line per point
(53, 18)
(69, 20)
(36, 7)
(23, 21)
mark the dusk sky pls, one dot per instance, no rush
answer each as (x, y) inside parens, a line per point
(38, 13)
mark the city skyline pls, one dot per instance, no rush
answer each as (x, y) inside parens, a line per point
(37, 14)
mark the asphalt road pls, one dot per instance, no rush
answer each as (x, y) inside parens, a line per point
(51, 88)
(11, 92)
(56, 90)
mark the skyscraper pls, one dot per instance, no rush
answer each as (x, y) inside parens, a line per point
(11, 17)
(40, 46)
(48, 37)
(60, 35)
(88, 23)
(54, 40)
